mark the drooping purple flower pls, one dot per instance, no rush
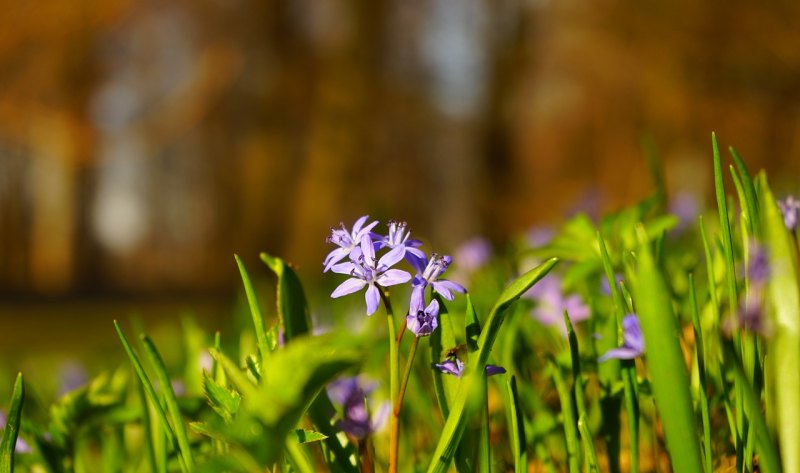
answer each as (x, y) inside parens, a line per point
(366, 271)
(431, 274)
(790, 208)
(424, 321)
(454, 366)
(348, 241)
(551, 303)
(399, 235)
(353, 394)
(632, 341)
(21, 446)
(758, 266)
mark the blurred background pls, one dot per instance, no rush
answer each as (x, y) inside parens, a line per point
(143, 143)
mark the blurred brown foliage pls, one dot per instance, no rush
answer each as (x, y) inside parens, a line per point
(142, 143)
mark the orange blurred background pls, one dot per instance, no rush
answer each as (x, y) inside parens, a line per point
(143, 143)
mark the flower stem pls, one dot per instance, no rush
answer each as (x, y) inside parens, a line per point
(394, 381)
(406, 375)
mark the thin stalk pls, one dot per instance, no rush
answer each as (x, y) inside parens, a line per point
(702, 397)
(394, 382)
(406, 376)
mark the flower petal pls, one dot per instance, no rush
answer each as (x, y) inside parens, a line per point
(451, 285)
(367, 250)
(343, 268)
(359, 223)
(341, 389)
(392, 257)
(380, 416)
(494, 369)
(334, 257)
(392, 277)
(348, 287)
(632, 333)
(623, 353)
(442, 289)
(373, 298)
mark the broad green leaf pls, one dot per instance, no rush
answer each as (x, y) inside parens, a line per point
(665, 362)
(292, 306)
(11, 431)
(472, 382)
(783, 347)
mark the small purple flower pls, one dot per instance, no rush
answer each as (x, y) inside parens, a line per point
(353, 395)
(21, 446)
(790, 208)
(551, 303)
(348, 242)
(685, 206)
(371, 273)
(758, 266)
(430, 274)
(473, 254)
(399, 236)
(454, 366)
(424, 321)
(632, 341)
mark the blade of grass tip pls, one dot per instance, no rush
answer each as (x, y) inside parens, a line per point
(784, 345)
(670, 381)
(147, 431)
(568, 416)
(702, 396)
(516, 426)
(170, 399)
(255, 311)
(456, 421)
(725, 227)
(146, 384)
(767, 455)
(749, 191)
(292, 303)
(11, 431)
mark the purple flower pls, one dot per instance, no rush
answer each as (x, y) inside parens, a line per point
(452, 365)
(684, 205)
(605, 287)
(473, 254)
(424, 321)
(21, 446)
(790, 208)
(632, 341)
(540, 236)
(399, 236)
(430, 274)
(353, 395)
(551, 303)
(348, 242)
(370, 273)
(758, 266)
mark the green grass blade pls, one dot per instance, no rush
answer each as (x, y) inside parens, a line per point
(255, 310)
(292, 304)
(588, 445)
(11, 431)
(568, 415)
(712, 283)
(702, 397)
(147, 431)
(725, 227)
(784, 346)
(670, 381)
(749, 191)
(444, 386)
(168, 394)
(516, 426)
(472, 381)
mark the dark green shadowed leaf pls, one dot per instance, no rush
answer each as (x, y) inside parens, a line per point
(255, 310)
(308, 436)
(11, 431)
(292, 305)
(473, 382)
(670, 380)
(783, 365)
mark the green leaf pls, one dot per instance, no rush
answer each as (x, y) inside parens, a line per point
(170, 399)
(516, 427)
(224, 401)
(724, 223)
(11, 431)
(255, 310)
(749, 191)
(444, 339)
(308, 436)
(783, 347)
(472, 383)
(665, 362)
(292, 305)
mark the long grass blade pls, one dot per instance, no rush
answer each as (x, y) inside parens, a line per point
(11, 431)
(255, 311)
(516, 426)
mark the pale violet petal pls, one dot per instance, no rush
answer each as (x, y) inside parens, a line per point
(343, 268)
(392, 257)
(359, 223)
(620, 354)
(348, 287)
(373, 298)
(380, 416)
(442, 289)
(367, 250)
(334, 257)
(392, 277)
(451, 285)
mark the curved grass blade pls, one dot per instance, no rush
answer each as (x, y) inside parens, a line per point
(670, 381)
(568, 414)
(11, 431)
(751, 197)
(443, 339)
(702, 397)
(292, 305)
(255, 310)
(784, 346)
(168, 394)
(471, 384)
(725, 227)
